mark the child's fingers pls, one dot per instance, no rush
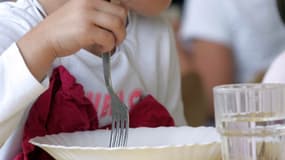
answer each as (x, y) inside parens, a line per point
(111, 23)
(102, 38)
(112, 8)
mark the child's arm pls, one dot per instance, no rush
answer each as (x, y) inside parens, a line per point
(147, 7)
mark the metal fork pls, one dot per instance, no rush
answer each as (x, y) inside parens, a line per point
(120, 112)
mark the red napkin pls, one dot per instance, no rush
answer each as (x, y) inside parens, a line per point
(149, 113)
(64, 108)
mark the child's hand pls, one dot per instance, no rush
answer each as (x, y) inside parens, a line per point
(85, 23)
(94, 24)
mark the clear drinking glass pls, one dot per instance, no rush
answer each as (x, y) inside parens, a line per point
(251, 121)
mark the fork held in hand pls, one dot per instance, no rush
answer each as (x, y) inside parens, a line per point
(120, 112)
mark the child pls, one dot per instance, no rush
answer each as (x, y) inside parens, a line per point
(39, 35)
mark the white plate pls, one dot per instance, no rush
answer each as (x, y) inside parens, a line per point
(162, 143)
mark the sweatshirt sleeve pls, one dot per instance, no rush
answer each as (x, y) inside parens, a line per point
(18, 89)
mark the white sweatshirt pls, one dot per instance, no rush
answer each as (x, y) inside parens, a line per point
(145, 63)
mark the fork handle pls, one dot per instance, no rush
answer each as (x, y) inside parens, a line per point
(107, 74)
(106, 68)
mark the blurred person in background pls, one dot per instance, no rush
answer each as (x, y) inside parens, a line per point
(276, 72)
(231, 41)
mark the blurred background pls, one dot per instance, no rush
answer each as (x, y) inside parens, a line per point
(223, 42)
